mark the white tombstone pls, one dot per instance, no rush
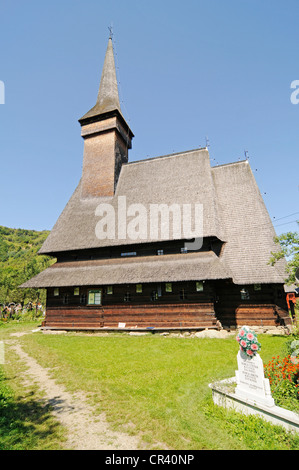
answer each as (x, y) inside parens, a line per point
(251, 382)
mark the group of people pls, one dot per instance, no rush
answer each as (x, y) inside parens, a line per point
(13, 310)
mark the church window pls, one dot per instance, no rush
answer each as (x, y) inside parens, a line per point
(154, 295)
(129, 253)
(95, 297)
(245, 294)
(183, 294)
(199, 286)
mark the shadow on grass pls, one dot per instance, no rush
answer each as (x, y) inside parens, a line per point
(26, 423)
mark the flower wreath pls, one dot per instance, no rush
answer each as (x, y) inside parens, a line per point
(248, 341)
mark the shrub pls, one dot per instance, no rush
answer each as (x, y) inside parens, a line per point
(283, 375)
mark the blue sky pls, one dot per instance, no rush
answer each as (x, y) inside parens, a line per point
(187, 70)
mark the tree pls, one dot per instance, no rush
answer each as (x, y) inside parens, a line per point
(289, 248)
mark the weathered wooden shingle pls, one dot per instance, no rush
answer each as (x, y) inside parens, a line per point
(183, 178)
(233, 211)
(247, 224)
(108, 98)
(167, 268)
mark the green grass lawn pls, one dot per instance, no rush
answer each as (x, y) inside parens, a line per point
(160, 386)
(25, 424)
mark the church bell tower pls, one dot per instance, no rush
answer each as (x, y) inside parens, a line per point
(107, 136)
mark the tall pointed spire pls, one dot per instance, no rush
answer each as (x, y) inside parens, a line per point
(107, 136)
(108, 98)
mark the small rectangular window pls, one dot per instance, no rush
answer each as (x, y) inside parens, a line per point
(56, 291)
(168, 287)
(160, 252)
(159, 290)
(139, 288)
(76, 290)
(199, 286)
(184, 250)
(129, 253)
(127, 297)
(83, 299)
(109, 290)
(154, 295)
(183, 294)
(257, 287)
(245, 294)
(95, 297)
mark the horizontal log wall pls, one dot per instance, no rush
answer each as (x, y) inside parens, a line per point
(265, 307)
(140, 316)
(218, 301)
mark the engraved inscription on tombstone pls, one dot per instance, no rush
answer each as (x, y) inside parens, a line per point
(251, 382)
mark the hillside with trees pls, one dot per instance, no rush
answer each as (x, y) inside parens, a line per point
(19, 262)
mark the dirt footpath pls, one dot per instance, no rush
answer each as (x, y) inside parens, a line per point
(86, 431)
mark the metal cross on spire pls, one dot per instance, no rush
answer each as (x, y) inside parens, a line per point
(110, 31)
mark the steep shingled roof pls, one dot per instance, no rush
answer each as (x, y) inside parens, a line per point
(183, 178)
(167, 268)
(108, 98)
(233, 211)
(247, 225)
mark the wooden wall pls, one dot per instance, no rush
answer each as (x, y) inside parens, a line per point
(141, 249)
(169, 310)
(140, 316)
(219, 300)
(265, 307)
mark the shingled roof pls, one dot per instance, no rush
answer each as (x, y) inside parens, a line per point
(108, 98)
(167, 268)
(233, 211)
(183, 178)
(247, 225)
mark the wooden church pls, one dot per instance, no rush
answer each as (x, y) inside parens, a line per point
(155, 281)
